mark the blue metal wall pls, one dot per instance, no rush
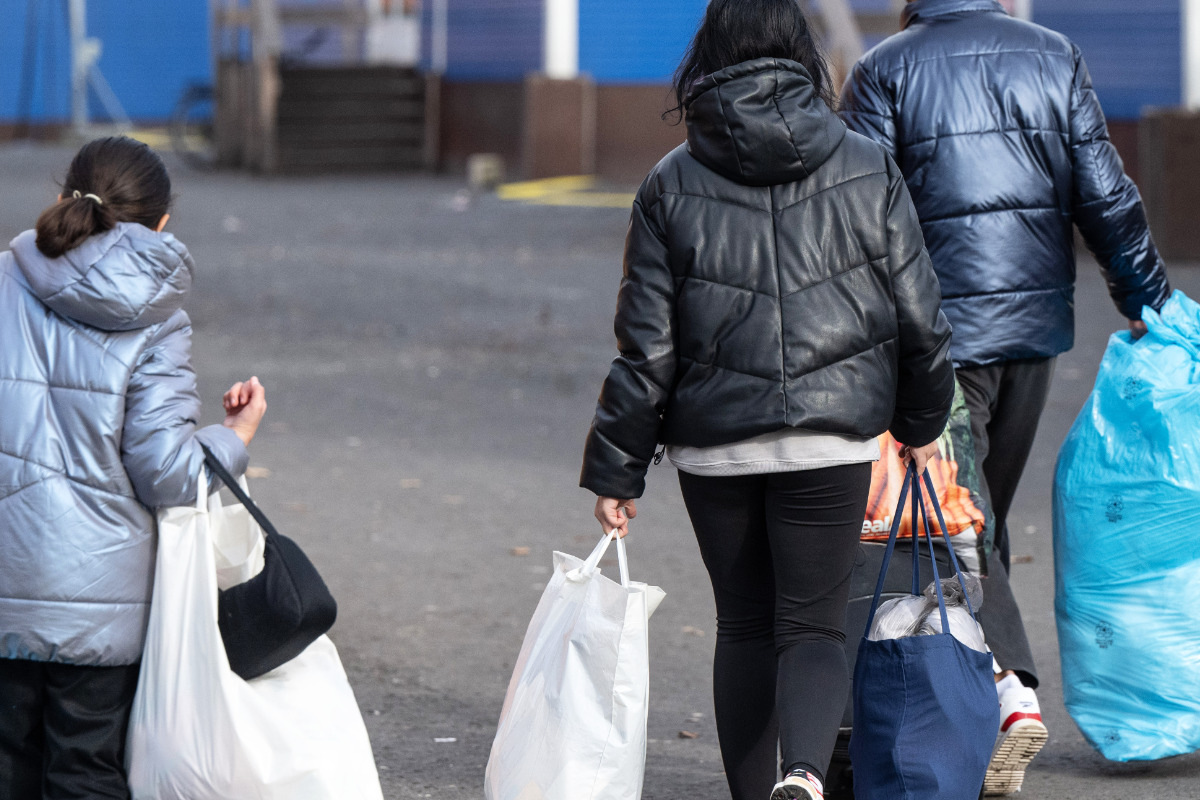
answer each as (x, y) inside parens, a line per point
(620, 41)
(635, 41)
(152, 50)
(488, 39)
(1133, 49)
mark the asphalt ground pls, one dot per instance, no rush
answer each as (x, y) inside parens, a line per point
(432, 360)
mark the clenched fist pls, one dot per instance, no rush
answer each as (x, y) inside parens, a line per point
(245, 403)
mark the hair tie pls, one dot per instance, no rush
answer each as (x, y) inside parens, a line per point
(89, 195)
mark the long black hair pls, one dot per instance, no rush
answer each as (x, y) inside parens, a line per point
(110, 180)
(734, 31)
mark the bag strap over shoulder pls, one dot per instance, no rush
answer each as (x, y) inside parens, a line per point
(231, 483)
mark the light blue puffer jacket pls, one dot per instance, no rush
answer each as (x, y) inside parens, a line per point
(98, 410)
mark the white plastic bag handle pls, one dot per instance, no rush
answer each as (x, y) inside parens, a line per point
(202, 491)
(593, 561)
(212, 502)
(622, 561)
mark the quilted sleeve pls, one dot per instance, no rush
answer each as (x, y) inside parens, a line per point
(160, 444)
(1108, 209)
(925, 385)
(629, 412)
(866, 107)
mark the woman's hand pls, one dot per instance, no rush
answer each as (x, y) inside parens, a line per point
(918, 455)
(608, 511)
(245, 403)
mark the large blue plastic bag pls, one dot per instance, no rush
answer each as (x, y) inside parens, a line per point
(1127, 544)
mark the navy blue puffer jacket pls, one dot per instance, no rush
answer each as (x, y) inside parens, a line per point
(1003, 146)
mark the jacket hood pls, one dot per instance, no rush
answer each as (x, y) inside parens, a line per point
(121, 280)
(761, 123)
(936, 8)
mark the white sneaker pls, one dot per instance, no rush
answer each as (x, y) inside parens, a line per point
(1021, 737)
(798, 786)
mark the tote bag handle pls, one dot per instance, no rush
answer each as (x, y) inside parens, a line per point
(912, 483)
(937, 508)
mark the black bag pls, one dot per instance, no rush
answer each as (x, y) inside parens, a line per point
(271, 618)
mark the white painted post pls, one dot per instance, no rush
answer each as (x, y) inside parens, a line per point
(560, 43)
(845, 40)
(1191, 54)
(1021, 9)
(439, 36)
(82, 56)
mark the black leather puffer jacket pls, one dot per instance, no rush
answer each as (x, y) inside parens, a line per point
(775, 277)
(1002, 141)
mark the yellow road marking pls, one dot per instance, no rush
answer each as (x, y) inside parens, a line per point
(587, 199)
(531, 190)
(156, 138)
(568, 190)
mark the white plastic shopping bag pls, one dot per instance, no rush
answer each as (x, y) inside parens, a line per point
(197, 730)
(238, 541)
(573, 726)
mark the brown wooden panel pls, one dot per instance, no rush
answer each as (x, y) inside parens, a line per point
(559, 127)
(631, 135)
(1124, 136)
(37, 131)
(478, 117)
(1169, 152)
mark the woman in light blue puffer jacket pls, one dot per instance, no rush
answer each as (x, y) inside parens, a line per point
(98, 411)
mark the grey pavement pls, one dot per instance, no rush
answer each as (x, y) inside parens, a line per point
(432, 361)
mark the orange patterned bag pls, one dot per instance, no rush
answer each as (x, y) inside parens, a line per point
(956, 479)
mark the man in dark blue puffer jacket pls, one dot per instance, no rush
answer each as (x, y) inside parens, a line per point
(996, 128)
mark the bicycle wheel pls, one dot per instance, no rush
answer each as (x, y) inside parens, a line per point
(191, 127)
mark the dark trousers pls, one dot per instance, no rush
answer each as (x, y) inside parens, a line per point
(1006, 402)
(779, 549)
(62, 730)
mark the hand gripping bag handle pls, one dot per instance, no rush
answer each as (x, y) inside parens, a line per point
(1173, 330)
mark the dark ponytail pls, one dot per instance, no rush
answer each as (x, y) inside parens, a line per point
(734, 31)
(111, 180)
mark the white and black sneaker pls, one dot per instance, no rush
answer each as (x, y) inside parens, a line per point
(799, 785)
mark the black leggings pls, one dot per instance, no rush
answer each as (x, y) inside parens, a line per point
(62, 730)
(779, 549)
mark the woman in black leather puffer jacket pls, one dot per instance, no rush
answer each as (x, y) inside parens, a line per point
(777, 312)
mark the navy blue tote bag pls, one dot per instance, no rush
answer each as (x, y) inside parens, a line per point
(925, 707)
